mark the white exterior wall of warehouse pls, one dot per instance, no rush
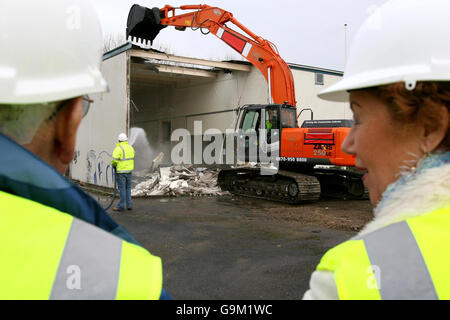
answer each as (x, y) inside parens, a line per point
(161, 102)
(99, 129)
(306, 91)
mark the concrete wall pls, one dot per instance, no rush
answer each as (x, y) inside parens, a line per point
(97, 135)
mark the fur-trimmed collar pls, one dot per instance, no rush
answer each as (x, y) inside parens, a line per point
(421, 193)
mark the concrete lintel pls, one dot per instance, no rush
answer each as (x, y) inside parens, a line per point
(177, 70)
(201, 62)
(186, 71)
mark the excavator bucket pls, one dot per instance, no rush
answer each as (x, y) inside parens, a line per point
(143, 25)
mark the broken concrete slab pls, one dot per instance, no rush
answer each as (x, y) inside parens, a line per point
(157, 161)
(179, 181)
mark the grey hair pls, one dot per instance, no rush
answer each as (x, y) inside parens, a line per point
(21, 122)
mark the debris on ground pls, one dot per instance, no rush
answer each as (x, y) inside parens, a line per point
(179, 181)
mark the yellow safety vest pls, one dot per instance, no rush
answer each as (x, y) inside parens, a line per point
(123, 158)
(268, 126)
(405, 260)
(47, 254)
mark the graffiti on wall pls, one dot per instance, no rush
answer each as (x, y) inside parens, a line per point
(99, 169)
(76, 156)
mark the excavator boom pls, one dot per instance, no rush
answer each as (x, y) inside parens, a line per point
(144, 24)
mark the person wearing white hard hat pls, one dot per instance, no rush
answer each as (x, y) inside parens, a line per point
(397, 81)
(123, 162)
(57, 241)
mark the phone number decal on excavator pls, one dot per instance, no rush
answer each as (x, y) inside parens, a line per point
(291, 159)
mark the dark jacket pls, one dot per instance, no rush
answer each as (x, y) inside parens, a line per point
(27, 176)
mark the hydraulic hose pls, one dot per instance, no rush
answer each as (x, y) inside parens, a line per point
(115, 191)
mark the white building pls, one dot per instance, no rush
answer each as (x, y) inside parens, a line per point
(161, 93)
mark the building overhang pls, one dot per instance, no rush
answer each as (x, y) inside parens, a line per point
(158, 68)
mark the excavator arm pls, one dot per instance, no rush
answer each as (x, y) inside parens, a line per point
(144, 24)
(300, 148)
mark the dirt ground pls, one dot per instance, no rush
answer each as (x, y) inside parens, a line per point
(332, 214)
(240, 248)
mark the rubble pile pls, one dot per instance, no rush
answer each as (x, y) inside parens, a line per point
(179, 181)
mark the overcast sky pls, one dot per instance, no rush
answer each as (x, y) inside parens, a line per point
(307, 32)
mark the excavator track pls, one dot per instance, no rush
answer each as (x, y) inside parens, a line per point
(341, 184)
(284, 186)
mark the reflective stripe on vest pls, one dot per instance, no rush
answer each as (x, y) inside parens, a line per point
(123, 155)
(125, 165)
(48, 254)
(405, 260)
(99, 279)
(394, 252)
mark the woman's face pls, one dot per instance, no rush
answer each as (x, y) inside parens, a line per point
(382, 146)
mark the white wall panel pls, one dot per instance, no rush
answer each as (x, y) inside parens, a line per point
(98, 132)
(306, 92)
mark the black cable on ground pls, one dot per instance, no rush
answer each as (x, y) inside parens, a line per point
(115, 191)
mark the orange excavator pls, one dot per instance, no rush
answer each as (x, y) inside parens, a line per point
(309, 156)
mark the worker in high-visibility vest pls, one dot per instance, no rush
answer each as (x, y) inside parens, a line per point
(271, 120)
(397, 80)
(57, 241)
(123, 162)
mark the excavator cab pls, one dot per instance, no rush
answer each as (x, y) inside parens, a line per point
(260, 128)
(143, 25)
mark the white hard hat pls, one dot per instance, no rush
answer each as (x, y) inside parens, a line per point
(123, 137)
(51, 51)
(402, 41)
